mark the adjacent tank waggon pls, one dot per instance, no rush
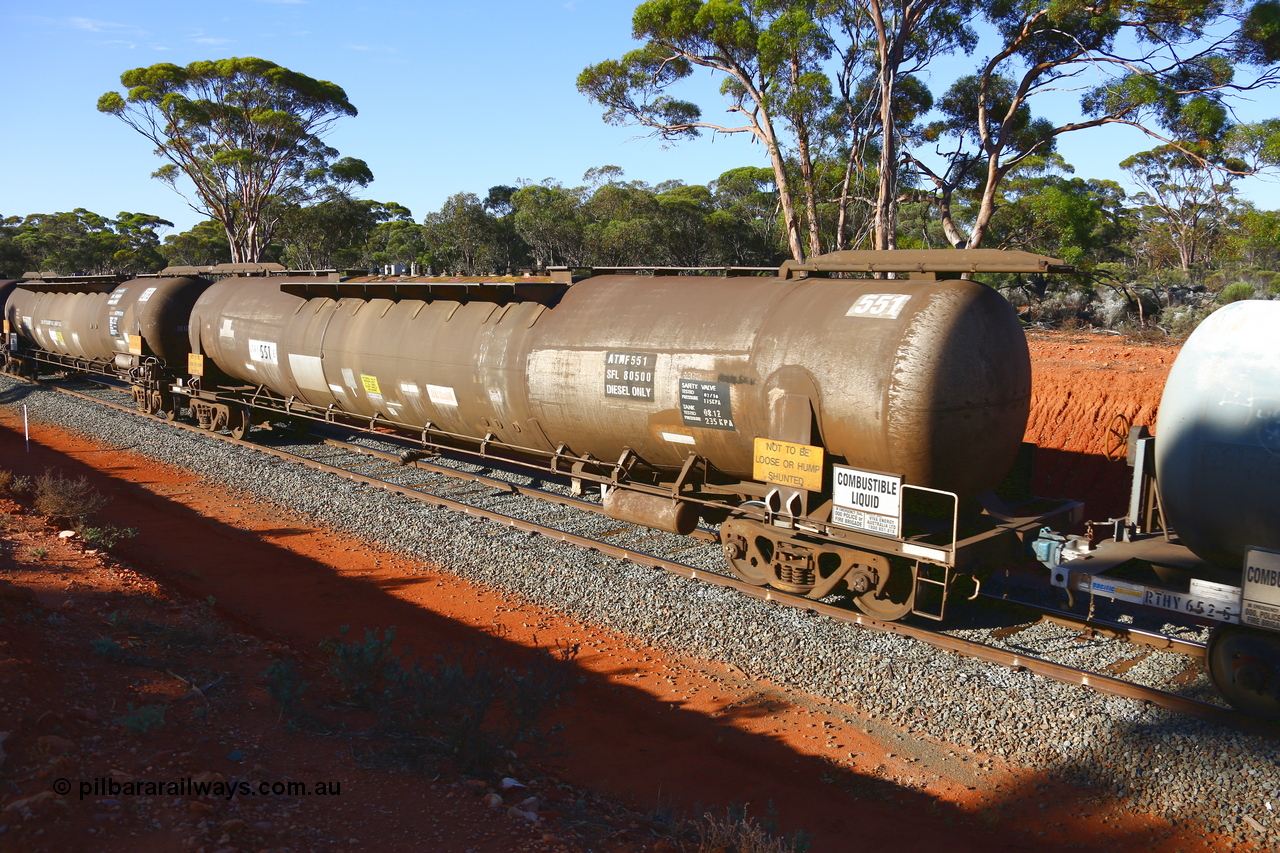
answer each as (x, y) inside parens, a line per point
(135, 329)
(1202, 532)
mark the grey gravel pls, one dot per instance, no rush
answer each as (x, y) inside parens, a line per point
(1163, 763)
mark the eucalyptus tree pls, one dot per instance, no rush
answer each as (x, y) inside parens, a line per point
(511, 252)
(882, 46)
(549, 218)
(1258, 237)
(83, 242)
(746, 224)
(769, 54)
(1170, 69)
(14, 258)
(246, 133)
(1182, 201)
(336, 232)
(204, 244)
(460, 237)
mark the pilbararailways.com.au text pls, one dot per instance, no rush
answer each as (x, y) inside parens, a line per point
(106, 786)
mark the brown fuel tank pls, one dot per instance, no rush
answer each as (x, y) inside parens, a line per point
(75, 322)
(930, 380)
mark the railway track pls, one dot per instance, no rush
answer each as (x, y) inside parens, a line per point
(352, 461)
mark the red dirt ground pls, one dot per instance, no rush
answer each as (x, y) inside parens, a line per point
(648, 732)
(1080, 383)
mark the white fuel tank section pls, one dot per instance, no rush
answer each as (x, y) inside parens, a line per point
(1218, 435)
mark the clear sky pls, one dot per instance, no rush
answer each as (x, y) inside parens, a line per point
(454, 95)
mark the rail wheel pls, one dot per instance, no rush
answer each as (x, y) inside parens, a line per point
(893, 596)
(162, 405)
(238, 422)
(1244, 664)
(749, 557)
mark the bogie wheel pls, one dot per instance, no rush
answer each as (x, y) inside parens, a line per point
(894, 596)
(748, 557)
(1244, 664)
(239, 422)
(1117, 438)
(161, 404)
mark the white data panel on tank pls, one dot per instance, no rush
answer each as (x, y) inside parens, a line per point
(883, 306)
(263, 352)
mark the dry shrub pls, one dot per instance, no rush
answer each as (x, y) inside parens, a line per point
(739, 833)
(66, 499)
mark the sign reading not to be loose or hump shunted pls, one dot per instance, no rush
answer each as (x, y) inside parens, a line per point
(783, 463)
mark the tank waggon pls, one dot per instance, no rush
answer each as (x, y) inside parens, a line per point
(6, 287)
(939, 391)
(844, 429)
(1202, 532)
(135, 330)
(1218, 457)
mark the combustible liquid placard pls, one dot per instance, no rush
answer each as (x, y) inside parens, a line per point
(867, 500)
(1261, 592)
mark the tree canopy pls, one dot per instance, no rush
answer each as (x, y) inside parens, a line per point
(836, 93)
(81, 242)
(247, 134)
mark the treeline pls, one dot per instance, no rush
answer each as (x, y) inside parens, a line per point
(1158, 257)
(732, 221)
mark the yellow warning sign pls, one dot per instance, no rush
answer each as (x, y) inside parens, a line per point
(195, 364)
(783, 463)
(370, 384)
(135, 344)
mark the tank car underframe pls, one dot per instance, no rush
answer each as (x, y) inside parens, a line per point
(1143, 563)
(765, 540)
(148, 377)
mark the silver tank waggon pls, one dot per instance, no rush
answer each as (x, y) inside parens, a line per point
(1218, 434)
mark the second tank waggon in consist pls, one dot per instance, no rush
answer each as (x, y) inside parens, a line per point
(134, 329)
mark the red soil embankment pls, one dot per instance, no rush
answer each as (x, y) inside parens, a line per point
(1080, 382)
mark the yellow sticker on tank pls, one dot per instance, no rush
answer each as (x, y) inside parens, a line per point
(195, 364)
(784, 463)
(370, 384)
(135, 344)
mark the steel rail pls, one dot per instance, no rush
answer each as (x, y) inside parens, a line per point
(1105, 684)
(1111, 630)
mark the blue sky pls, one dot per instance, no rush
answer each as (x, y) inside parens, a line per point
(453, 96)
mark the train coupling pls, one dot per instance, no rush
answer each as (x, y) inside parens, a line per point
(1053, 549)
